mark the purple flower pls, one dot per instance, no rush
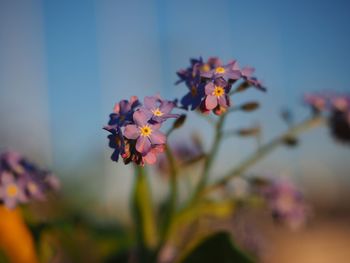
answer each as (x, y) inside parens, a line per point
(247, 74)
(200, 73)
(121, 116)
(338, 109)
(11, 191)
(194, 97)
(318, 102)
(286, 202)
(145, 133)
(340, 118)
(133, 128)
(227, 72)
(217, 94)
(123, 111)
(341, 103)
(151, 156)
(157, 109)
(21, 181)
(191, 75)
(192, 79)
(117, 143)
(35, 188)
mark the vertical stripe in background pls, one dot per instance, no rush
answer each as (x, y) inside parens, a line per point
(129, 64)
(23, 88)
(75, 104)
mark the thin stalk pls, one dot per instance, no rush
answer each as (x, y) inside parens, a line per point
(211, 156)
(172, 200)
(143, 214)
(264, 150)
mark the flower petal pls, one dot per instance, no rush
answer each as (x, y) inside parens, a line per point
(209, 88)
(157, 137)
(143, 145)
(223, 101)
(10, 202)
(131, 131)
(124, 107)
(166, 107)
(247, 71)
(150, 102)
(150, 158)
(208, 74)
(140, 118)
(211, 102)
(234, 74)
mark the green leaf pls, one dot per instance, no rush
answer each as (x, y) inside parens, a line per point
(3, 258)
(144, 214)
(217, 248)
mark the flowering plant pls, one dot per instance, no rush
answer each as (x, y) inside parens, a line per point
(189, 230)
(203, 224)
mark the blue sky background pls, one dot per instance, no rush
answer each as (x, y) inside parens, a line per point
(63, 65)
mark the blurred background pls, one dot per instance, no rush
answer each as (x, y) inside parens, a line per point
(63, 65)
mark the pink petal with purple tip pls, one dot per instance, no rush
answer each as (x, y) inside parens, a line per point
(223, 101)
(140, 118)
(150, 102)
(131, 132)
(208, 74)
(235, 74)
(116, 108)
(209, 88)
(150, 158)
(166, 107)
(247, 71)
(133, 99)
(157, 137)
(211, 102)
(143, 145)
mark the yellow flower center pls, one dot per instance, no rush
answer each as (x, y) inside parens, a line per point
(220, 70)
(157, 112)
(205, 68)
(32, 187)
(11, 190)
(145, 130)
(218, 91)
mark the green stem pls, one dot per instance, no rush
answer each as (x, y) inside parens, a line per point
(143, 213)
(211, 157)
(264, 150)
(172, 200)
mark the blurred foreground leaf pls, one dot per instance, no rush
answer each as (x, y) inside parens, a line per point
(217, 248)
(144, 215)
(3, 258)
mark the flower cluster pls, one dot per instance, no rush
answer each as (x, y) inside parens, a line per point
(134, 129)
(210, 82)
(285, 202)
(338, 107)
(22, 181)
